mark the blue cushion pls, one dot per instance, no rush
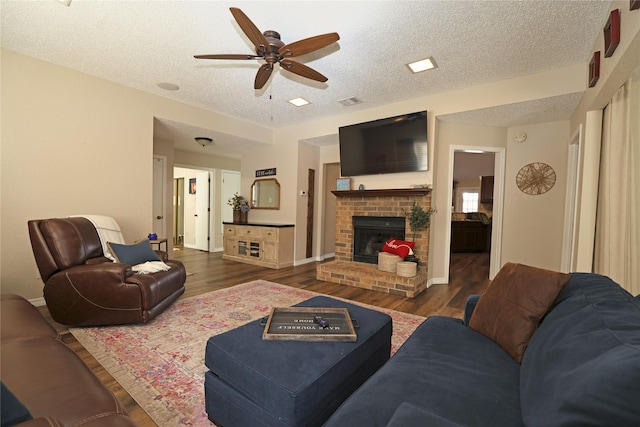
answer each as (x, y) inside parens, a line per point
(447, 368)
(582, 366)
(13, 411)
(409, 415)
(257, 382)
(133, 254)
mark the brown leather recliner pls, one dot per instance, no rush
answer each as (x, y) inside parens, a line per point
(84, 288)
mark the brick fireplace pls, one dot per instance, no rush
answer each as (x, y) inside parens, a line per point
(376, 203)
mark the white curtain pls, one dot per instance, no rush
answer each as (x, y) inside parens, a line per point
(617, 252)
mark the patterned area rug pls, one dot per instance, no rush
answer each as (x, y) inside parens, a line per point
(161, 364)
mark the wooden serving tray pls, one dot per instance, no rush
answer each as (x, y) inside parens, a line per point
(297, 324)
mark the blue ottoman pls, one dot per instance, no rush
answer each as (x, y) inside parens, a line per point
(255, 382)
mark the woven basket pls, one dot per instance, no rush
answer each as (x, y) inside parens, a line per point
(406, 269)
(388, 262)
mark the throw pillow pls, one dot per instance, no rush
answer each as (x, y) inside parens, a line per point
(514, 303)
(133, 254)
(398, 247)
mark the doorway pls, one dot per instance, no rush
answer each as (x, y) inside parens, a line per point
(475, 224)
(192, 204)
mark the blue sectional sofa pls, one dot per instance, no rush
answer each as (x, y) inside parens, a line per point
(579, 367)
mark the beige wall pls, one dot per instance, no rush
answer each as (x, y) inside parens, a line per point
(533, 225)
(76, 144)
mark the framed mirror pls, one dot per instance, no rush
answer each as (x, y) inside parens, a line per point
(265, 194)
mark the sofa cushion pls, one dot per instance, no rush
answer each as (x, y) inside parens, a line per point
(13, 411)
(514, 303)
(582, 367)
(398, 247)
(410, 415)
(442, 364)
(137, 253)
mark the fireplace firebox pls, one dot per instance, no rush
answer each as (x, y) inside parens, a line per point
(371, 232)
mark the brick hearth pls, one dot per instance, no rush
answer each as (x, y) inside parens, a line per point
(362, 275)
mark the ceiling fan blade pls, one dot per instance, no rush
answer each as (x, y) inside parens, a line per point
(308, 45)
(227, 56)
(249, 28)
(263, 75)
(302, 70)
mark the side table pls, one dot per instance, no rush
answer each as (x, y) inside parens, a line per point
(159, 241)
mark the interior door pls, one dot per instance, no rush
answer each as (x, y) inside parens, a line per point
(159, 196)
(202, 211)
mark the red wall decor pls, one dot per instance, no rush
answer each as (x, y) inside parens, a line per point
(612, 33)
(594, 69)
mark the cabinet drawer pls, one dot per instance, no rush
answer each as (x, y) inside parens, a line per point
(249, 231)
(229, 230)
(270, 235)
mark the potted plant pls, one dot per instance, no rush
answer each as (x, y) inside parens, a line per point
(240, 207)
(419, 219)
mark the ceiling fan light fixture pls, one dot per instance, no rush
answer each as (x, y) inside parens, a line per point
(203, 140)
(299, 102)
(422, 65)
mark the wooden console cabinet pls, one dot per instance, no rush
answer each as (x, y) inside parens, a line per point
(266, 245)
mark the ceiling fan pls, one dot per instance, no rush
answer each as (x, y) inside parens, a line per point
(270, 48)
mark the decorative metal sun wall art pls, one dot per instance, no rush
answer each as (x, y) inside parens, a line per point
(536, 178)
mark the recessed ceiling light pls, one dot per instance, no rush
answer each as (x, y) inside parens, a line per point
(422, 65)
(299, 102)
(168, 86)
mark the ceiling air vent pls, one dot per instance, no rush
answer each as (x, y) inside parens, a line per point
(348, 102)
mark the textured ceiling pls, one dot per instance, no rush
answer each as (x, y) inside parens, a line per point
(141, 43)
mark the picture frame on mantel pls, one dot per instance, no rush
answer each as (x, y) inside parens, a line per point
(612, 33)
(343, 184)
(594, 69)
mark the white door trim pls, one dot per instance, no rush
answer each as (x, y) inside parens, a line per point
(163, 221)
(571, 201)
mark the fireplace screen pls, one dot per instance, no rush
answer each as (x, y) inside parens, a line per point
(370, 233)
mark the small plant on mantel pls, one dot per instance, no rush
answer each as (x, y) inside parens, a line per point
(419, 219)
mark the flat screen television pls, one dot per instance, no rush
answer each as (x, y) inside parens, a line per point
(391, 145)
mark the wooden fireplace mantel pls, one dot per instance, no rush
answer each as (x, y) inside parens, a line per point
(383, 193)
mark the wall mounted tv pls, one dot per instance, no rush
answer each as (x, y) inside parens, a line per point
(391, 145)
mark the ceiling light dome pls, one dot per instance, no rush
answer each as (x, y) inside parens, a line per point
(203, 140)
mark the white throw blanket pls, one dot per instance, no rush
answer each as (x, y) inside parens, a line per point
(108, 231)
(150, 267)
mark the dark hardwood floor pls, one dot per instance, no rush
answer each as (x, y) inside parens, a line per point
(209, 272)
